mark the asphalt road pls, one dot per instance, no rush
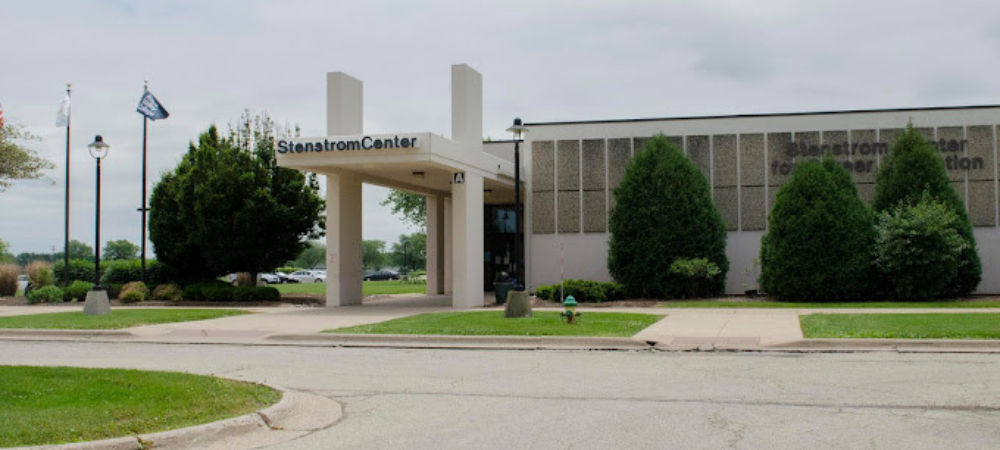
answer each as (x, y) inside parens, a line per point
(465, 399)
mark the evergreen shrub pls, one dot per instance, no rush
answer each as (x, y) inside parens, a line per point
(819, 238)
(699, 273)
(79, 270)
(584, 291)
(664, 212)
(918, 248)
(46, 294)
(77, 291)
(912, 168)
(125, 271)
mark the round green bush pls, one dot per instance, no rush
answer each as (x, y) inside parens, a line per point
(819, 237)
(77, 291)
(663, 212)
(912, 168)
(134, 292)
(47, 294)
(169, 292)
(584, 291)
(918, 248)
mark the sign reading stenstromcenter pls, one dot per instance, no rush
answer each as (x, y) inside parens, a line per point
(364, 143)
(863, 153)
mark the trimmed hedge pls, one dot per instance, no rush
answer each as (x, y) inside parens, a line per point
(819, 238)
(584, 291)
(79, 270)
(912, 168)
(121, 272)
(664, 212)
(219, 291)
(47, 294)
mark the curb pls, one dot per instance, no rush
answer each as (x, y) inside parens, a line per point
(452, 342)
(191, 437)
(889, 345)
(39, 332)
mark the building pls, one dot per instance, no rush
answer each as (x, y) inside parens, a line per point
(569, 171)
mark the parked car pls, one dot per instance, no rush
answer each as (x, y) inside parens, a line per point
(22, 282)
(286, 278)
(382, 275)
(309, 276)
(270, 278)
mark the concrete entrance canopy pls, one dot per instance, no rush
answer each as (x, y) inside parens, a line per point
(452, 173)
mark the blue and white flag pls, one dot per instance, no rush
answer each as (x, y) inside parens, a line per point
(151, 108)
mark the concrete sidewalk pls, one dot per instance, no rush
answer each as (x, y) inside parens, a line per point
(750, 329)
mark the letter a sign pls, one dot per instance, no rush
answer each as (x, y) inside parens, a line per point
(459, 178)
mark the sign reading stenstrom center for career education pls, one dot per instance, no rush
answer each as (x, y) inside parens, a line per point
(364, 143)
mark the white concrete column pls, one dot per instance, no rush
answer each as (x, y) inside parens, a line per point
(448, 286)
(344, 104)
(467, 106)
(467, 242)
(435, 244)
(343, 240)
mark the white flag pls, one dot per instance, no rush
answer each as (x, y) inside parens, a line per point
(62, 119)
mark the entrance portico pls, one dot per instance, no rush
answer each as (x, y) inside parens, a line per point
(452, 174)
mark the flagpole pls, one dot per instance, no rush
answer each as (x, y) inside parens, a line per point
(143, 210)
(69, 114)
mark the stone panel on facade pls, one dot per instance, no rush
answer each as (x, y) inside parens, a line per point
(543, 161)
(639, 143)
(593, 165)
(837, 143)
(864, 165)
(809, 145)
(543, 213)
(727, 203)
(724, 164)
(619, 154)
(569, 212)
(700, 152)
(752, 159)
(568, 161)
(595, 214)
(753, 214)
(950, 150)
(980, 150)
(779, 164)
(982, 203)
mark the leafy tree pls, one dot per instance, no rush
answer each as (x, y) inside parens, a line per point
(410, 252)
(372, 254)
(313, 257)
(912, 168)
(413, 207)
(664, 212)
(227, 207)
(77, 250)
(120, 250)
(5, 255)
(18, 162)
(819, 237)
(24, 258)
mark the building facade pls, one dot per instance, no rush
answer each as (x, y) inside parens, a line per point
(569, 171)
(575, 167)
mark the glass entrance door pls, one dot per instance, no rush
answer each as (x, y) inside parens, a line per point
(499, 238)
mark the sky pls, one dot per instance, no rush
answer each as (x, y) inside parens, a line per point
(543, 61)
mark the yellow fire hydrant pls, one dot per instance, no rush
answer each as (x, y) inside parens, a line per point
(570, 314)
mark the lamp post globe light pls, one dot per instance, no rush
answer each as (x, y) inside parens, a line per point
(97, 299)
(518, 129)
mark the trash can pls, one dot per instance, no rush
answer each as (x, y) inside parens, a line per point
(502, 284)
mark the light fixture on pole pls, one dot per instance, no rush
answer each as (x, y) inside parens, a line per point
(518, 129)
(97, 299)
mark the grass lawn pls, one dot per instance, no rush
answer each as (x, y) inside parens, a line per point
(493, 323)
(119, 318)
(902, 326)
(368, 288)
(774, 304)
(53, 405)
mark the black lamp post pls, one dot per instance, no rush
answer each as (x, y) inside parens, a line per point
(518, 128)
(97, 298)
(99, 150)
